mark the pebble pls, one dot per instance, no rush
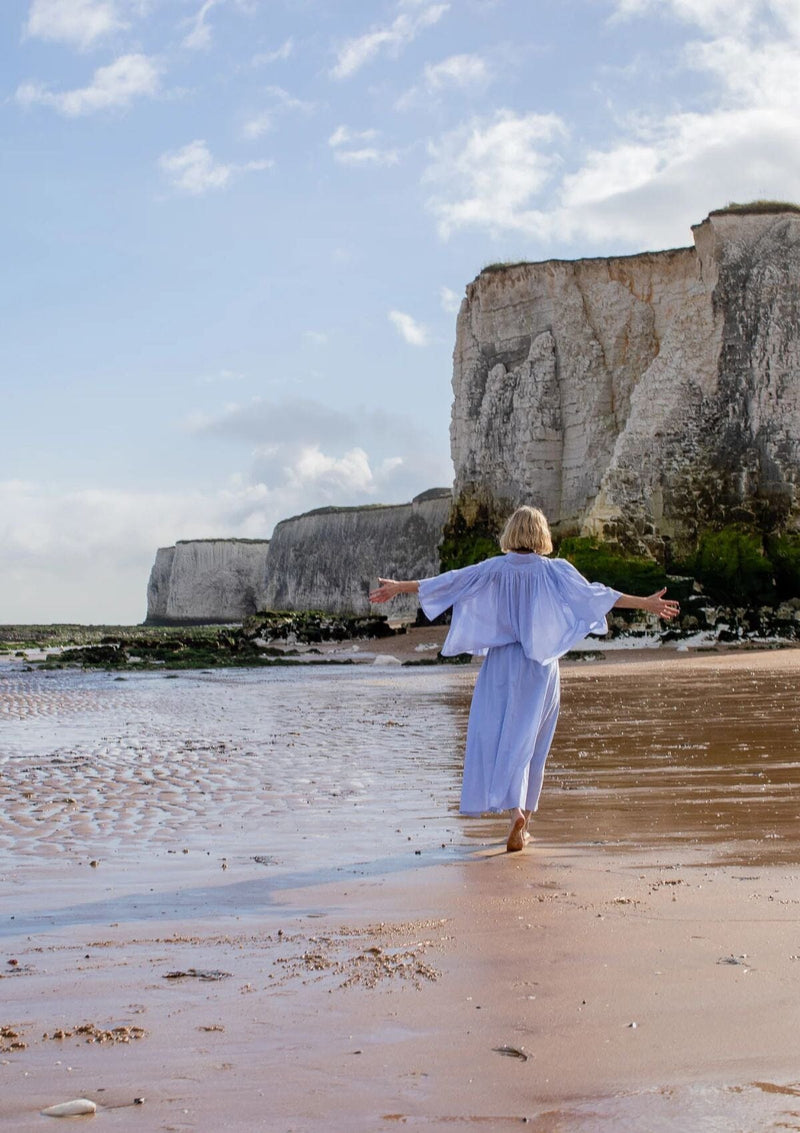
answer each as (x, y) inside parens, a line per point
(71, 1109)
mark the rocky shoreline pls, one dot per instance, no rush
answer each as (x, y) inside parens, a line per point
(286, 637)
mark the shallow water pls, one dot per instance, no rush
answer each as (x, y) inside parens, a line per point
(755, 1107)
(346, 766)
(90, 762)
(289, 777)
(708, 759)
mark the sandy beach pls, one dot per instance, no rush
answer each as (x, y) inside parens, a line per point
(247, 898)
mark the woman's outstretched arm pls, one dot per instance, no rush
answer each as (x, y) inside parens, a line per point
(656, 604)
(389, 587)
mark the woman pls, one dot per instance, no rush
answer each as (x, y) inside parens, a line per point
(522, 611)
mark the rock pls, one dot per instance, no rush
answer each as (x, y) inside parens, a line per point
(207, 581)
(325, 560)
(330, 558)
(72, 1108)
(639, 398)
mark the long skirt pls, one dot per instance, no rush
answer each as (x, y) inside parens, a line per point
(511, 725)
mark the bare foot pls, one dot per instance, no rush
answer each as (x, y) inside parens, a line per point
(516, 837)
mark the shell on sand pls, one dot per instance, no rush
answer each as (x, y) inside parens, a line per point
(71, 1109)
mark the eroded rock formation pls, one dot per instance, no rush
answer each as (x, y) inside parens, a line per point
(323, 560)
(327, 559)
(641, 398)
(206, 581)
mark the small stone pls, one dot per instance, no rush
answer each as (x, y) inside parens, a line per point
(71, 1108)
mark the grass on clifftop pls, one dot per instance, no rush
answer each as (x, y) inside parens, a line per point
(756, 207)
(504, 265)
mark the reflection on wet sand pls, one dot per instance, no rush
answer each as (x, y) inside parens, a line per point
(699, 756)
(371, 987)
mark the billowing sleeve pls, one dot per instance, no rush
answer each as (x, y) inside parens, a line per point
(569, 609)
(439, 593)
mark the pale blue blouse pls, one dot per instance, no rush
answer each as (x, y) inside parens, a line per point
(544, 604)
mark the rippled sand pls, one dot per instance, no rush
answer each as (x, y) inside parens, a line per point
(233, 763)
(375, 959)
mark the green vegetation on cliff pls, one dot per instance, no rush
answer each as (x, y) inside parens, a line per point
(734, 565)
(599, 562)
(784, 554)
(755, 207)
(465, 542)
(740, 566)
(731, 566)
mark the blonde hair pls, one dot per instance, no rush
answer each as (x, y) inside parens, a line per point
(527, 530)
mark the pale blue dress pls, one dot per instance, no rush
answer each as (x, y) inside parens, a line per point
(521, 611)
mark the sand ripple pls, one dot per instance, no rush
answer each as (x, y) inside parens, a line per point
(94, 767)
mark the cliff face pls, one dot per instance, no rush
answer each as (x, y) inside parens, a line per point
(323, 560)
(328, 559)
(640, 397)
(206, 581)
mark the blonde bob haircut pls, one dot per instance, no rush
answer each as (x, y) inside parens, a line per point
(527, 530)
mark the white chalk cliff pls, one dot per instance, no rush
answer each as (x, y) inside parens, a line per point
(329, 558)
(639, 397)
(207, 580)
(324, 560)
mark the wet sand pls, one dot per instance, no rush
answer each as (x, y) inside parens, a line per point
(355, 955)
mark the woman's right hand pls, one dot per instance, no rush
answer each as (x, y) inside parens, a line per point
(662, 607)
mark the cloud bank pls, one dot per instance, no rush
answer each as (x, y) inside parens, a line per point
(522, 174)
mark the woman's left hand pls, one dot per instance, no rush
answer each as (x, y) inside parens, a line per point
(387, 589)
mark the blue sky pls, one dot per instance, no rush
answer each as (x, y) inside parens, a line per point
(236, 233)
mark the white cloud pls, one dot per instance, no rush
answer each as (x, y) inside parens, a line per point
(193, 170)
(281, 101)
(85, 555)
(404, 458)
(710, 15)
(264, 58)
(647, 194)
(78, 22)
(344, 136)
(487, 172)
(414, 333)
(660, 173)
(348, 473)
(113, 87)
(198, 38)
(369, 155)
(258, 125)
(765, 76)
(357, 151)
(289, 101)
(391, 38)
(199, 35)
(450, 300)
(457, 71)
